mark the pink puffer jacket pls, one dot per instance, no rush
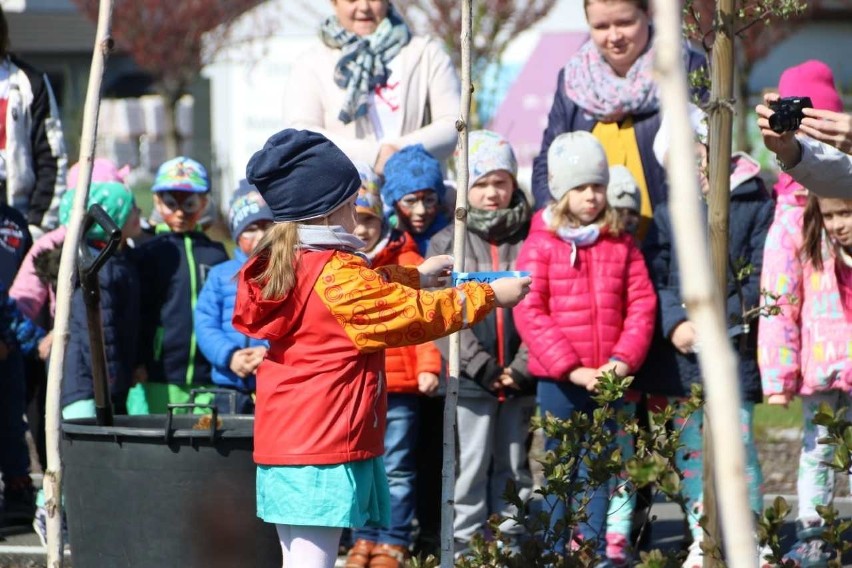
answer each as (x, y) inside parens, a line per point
(584, 312)
(805, 348)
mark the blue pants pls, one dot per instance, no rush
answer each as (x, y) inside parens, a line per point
(400, 466)
(560, 400)
(14, 454)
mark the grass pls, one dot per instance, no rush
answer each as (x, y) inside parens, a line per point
(771, 417)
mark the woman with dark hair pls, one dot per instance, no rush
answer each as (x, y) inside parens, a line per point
(607, 88)
(373, 87)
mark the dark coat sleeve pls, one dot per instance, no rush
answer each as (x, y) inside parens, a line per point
(557, 123)
(663, 270)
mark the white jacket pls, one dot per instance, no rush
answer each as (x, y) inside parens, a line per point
(431, 95)
(823, 169)
(36, 159)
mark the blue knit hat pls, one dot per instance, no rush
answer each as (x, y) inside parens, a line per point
(247, 207)
(302, 175)
(181, 174)
(409, 170)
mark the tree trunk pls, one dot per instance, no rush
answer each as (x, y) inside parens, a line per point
(448, 470)
(171, 97)
(701, 296)
(53, 411)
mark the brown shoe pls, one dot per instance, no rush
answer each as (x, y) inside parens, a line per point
(359, 554)
(388, 556)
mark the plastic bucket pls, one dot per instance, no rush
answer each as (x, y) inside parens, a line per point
(161, 490)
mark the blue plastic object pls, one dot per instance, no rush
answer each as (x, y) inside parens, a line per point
(486, 277)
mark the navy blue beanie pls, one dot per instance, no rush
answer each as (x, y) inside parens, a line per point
(409, 170)
(302, 175)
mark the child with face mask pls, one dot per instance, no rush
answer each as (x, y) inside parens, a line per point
(411, 371)
(174, 266)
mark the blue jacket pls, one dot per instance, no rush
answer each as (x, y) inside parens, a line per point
(666, 371)
(217, 338)
(119, 288)
(173, 268)
(566, 116)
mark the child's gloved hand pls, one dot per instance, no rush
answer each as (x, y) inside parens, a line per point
(435, 270)
(508, 292)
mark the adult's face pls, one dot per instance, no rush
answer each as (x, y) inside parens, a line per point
(620, 31)
(361, 17)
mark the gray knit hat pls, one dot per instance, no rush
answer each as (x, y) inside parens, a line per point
(622, 190)
(575, 159)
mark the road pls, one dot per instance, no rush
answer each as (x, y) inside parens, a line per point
(20, 548)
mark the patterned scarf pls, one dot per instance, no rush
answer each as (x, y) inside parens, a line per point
(502, 224)
(593, 85)
(363, 63)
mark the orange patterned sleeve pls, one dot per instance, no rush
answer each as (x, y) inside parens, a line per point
(405, 275)
(377, 314)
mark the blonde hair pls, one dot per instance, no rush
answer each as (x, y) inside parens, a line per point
(608, 219)
(278, 247)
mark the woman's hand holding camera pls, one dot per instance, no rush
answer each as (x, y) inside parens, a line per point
(834, 128)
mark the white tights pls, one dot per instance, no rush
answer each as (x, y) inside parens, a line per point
(308, 547)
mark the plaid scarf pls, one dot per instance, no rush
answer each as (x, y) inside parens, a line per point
(363, 64)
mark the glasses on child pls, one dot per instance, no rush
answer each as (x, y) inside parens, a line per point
(192, 203)
(429, 201)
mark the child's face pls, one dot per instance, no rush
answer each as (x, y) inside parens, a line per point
(251, 235)
(837, 218)
(629, 218)
(418, 210)
(180, 210)
(492, 191)
(586, 202)
(368, 228)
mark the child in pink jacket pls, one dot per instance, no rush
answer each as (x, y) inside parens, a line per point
(804, 350)
(591, 306)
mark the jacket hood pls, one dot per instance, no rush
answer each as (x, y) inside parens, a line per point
(274, 318)
(743, 168)
(398, 243)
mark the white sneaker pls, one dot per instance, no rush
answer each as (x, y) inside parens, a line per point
(695, 556)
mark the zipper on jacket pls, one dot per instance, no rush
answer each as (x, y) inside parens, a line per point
(193, 298)
(592, 304)
(500, 315)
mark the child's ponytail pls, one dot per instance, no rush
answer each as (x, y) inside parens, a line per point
(278, 248)
(812, 229)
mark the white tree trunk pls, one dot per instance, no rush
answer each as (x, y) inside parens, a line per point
(702, 298)
(448, 469)
(53, 412)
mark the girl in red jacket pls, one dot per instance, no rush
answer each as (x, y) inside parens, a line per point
(410, 370)
(591, 306)
(328, 317)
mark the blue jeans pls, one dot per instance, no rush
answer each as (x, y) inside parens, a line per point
(14, 453)
(560, 400)
(400, 465)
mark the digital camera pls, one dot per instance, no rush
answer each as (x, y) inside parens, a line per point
(788, 113)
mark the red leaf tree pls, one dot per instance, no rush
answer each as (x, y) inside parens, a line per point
(172, 40)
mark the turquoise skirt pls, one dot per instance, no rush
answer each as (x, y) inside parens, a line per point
(353, 494)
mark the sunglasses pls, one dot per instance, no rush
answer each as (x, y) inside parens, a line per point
(192, 203)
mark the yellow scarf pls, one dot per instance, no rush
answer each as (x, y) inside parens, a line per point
(619, 142)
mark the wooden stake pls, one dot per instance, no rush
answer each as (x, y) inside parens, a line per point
(721, 122)
(53, 412)
(448, 469)
(701, 295)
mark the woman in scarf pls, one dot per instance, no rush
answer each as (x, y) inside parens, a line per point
(373, 88)
(607, 88)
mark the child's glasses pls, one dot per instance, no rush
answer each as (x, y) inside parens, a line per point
(192, 203)
(429, 201)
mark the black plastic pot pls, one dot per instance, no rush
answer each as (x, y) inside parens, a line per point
(156, 491)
